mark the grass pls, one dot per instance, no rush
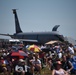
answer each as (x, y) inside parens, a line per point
(45, 71)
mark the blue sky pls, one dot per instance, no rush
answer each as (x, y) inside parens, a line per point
(39, 15)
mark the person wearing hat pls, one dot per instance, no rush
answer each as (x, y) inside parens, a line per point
(21, 67)
(58, 70)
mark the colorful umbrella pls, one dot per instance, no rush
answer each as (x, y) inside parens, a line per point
(34, 48)
(19, 53)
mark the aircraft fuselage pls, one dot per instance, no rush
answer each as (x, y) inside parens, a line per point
(41, 37)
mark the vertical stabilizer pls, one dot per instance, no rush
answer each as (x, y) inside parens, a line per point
(17, 25)
(55, 27)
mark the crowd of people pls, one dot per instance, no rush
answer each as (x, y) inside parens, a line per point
(57, 57)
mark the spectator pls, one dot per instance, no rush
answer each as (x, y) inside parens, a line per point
(66, 64)
(36, 64)
(8, 64)
(21, 67)
(50, 63)
(58, 70)
(1, 66)
(59, 51)
(71, 49)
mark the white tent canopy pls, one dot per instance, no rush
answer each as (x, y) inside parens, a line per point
(52, 42)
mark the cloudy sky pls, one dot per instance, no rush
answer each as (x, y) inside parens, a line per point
(39, 15)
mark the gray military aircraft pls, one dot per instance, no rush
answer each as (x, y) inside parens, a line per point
(40, 37)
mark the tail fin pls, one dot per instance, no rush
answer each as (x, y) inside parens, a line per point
(17, 25)
(55, 27)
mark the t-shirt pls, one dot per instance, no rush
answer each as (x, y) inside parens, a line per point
(61, 72)
(71, 50)
(21, 68)
(36, 62)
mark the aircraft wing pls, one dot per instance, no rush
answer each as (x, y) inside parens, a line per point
(25, 40)
(7, 35)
